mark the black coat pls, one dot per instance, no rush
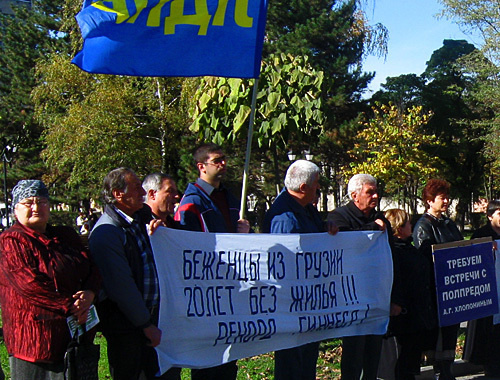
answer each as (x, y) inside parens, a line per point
(430, 230)
(485, 231)
(419, 311)
(351, 218)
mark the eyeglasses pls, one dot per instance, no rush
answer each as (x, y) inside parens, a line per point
(217, 161)
(41, 202)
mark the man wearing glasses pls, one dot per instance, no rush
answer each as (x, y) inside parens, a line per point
(207, 206)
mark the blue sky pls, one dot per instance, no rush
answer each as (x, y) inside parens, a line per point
(414, 33)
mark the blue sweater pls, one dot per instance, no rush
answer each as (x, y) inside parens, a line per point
(197, 211)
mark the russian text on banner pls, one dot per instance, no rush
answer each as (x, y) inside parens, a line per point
(229, 296)
(466, 283)
(172, 38)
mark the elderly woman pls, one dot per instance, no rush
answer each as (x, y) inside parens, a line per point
(435, 228)
(45, 277)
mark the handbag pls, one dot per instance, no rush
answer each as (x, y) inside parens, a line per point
(81, 359)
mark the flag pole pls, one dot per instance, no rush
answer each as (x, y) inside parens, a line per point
(243, 205)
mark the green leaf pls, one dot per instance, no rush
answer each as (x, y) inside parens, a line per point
(240, 118)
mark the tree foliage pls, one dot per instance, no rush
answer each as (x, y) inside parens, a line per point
(288, 108)
(404, 91)
(26, 36)
(478, 16)
(447, 94)
(94, 123)
(288, 104)
(390, 146)
(334, 34)
(483, 65)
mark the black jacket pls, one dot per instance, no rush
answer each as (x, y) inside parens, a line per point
(351, 218)
(485, 231)
(430, 230)
(419, 311)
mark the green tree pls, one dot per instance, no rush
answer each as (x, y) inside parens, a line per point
(483, 65)
(288, 110)
(478, 16)
(390, 147)
(447, 94)
(26, 36)
(97, 122)
(404, 91)
(335, 36)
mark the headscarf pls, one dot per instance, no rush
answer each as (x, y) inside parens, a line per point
(27, 188)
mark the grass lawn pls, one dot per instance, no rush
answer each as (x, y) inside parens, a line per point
(255, 368)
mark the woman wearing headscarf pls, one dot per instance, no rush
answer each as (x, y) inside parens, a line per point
(45, 277)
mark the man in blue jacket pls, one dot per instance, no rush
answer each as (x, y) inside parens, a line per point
(293, 212)
(207, 206)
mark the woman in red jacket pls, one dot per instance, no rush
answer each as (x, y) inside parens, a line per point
(45, 277)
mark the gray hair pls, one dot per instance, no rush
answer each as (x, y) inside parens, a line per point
(115, 180)
(301, 171)
(153, 182)
(357, 182)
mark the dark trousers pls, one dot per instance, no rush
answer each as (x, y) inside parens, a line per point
(129, 355)
(410, 356)
(225, 371)
(297, 363)
(360, 357)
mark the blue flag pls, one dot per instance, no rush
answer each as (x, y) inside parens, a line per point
(172, 37)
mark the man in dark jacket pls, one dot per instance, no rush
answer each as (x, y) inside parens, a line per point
(120, 247)
(361, 354)
(293, 212)
(207, 206)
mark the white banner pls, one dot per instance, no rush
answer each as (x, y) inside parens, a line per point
(230, 296)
